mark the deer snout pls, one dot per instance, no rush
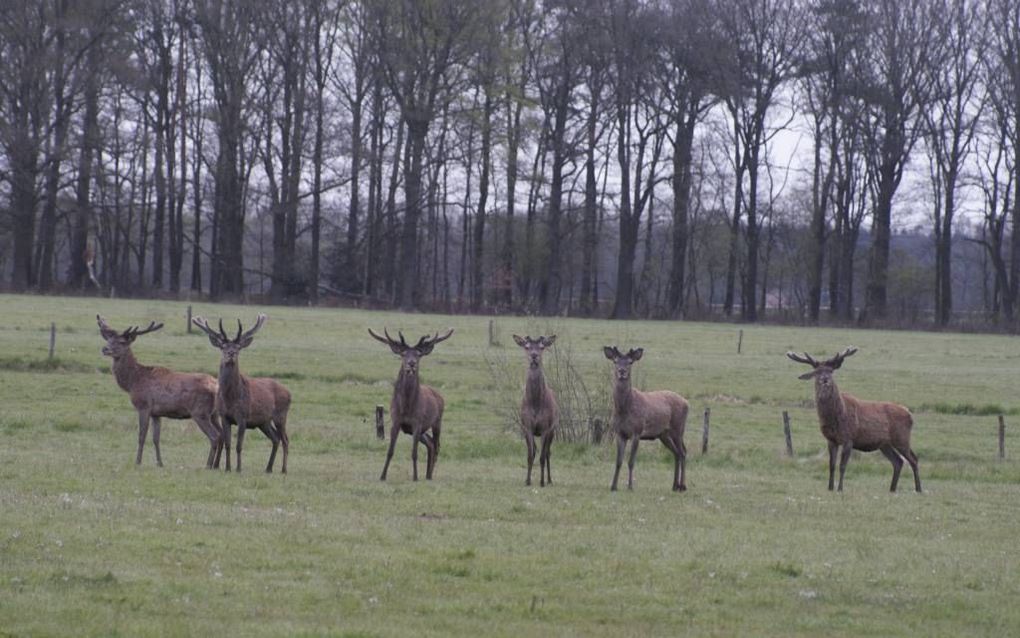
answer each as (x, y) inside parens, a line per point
(107, 352)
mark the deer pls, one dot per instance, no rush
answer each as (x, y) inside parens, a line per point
(158, 392)
(853, 424)
(248, 402)
(638, 415)
(539, 412)
(415, 408)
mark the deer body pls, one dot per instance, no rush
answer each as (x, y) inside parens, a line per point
(540, 413)
(646, 416)
(248, 402)
(158, 392)
(849, 423)
(415, 408)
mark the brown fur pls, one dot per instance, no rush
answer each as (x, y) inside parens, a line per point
(248, 402)
(853, 424)
(158, 392)
(641, 415)
(415, 408)
(540, 413)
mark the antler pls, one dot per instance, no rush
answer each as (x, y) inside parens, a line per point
(204, 325)
(803, 358)
(388, 340)
(251, 331)
(136, 331)
(430, 342)
(838, 359)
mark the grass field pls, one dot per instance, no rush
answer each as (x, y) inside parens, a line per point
(90, 544)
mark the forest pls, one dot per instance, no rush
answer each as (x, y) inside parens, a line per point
(804, 160)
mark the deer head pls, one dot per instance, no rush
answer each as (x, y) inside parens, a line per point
(623, 362)
(822, 372)
(229, 348)
(118, 344)
(410, 355)
(534, 348)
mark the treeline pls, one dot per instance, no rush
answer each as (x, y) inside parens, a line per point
(597, 157)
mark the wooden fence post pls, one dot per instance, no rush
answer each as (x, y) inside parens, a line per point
(786, 433)
(189, 319)
(740, 341)
(53, 338)
(596, 431)
(1002, 437)
(492, 333)
(380, 425)
(704, 432)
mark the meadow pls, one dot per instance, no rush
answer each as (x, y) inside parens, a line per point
(90, 544)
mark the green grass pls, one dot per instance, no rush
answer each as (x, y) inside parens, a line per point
(92, 545)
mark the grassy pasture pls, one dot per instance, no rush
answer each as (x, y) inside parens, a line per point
(92, 545)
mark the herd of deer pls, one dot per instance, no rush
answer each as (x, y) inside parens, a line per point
(848, 423)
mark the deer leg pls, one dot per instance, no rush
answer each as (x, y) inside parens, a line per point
(430, 452)
(912, 459)
(630, 462)
(225, 441)
(215, 420)
(212, 433)
(281, 429)
(679, 455)
(155, 439)
(544, 460)
(832, 463)
(242, 426)
(414, 454)
(844, 458)
(143, 432)
(897, 464)
(394, 433)
(529, 439)
(621, 444)
(270, 433)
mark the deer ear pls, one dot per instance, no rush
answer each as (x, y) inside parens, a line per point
(551, 339)
(636, 354)
(519, 341)
(105, 330)
(610, 353)
(807, 376)
(246, 341)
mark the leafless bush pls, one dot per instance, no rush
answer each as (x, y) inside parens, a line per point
(584, 404)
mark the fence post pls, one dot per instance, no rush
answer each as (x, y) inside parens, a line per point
(786, 433)
(53, 338)
(380, 426)
(740, 341)
(704, 432)
(1002, 437)
(189, 319)
(596, 431)
(492, 333)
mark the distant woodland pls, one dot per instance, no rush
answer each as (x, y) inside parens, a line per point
(803, 160)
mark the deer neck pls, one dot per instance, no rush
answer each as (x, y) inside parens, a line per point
(127, 370)
(534, 387)
(829, 403)
(230, 380)
(407, 389)
(623, 395)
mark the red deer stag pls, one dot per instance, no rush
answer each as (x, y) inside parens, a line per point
(246, 401)
(158, 392)
(539, 412)
(646, 415)
(415, 408)
(858, 425)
